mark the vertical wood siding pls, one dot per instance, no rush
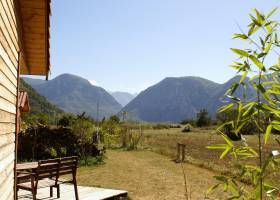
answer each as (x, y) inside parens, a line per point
(9, 47)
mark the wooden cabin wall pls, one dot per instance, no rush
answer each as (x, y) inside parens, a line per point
(9, 48)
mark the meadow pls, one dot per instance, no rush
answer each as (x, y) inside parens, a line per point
(151, 173)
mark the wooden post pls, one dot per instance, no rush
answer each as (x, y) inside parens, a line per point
(181, 151)
(178, 153)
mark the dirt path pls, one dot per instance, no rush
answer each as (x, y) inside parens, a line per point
(147, 176)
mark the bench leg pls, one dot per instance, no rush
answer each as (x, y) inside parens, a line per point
(51, 191)
(58, 191)
(76, 188)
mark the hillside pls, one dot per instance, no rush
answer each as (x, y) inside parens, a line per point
(123, 97)
(175, 99)
(75, 94)
(38, 103)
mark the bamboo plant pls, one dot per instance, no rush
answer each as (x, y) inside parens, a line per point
(260, 61)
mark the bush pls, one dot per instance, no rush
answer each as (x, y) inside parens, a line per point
(187, 128)
(160, 126)
(42, 142)
(203, 119)
(174, 126)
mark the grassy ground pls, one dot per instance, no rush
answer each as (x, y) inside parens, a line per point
(150, 173)
(164, 142)
(147, 176)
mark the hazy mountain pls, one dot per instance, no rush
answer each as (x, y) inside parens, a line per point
(123, 97)
(33, 81)
(175, 99)
(38, 103)
(75, 94)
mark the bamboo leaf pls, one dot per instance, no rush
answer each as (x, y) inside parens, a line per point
(243, 77)
(226, 107)
(230, 143)
(226, 151)
(271, 12)
(240, 52)
(257, 62)
(267, 133)
(266, 50)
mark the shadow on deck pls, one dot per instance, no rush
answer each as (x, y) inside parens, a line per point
(67, 193)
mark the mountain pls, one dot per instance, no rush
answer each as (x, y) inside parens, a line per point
(38, 103)
(123, 97)
(175, 99)
(75, 94)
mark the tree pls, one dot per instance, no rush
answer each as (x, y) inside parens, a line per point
(202, 118)
(262, 43)
(83, 129)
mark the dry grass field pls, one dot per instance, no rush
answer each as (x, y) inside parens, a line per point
(150, 173)
(148, 176)
(164, 142)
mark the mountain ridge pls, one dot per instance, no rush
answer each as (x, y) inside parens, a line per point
(76, 94)
(177, 98)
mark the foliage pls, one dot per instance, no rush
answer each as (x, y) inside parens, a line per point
(40, 107)
(229, 115)
(66, 120)
(131, 138)
(258, 59)
(115, 119)
(42, 142)
(83, 128)
(202, 118)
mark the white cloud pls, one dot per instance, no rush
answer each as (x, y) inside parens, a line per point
(94, 82)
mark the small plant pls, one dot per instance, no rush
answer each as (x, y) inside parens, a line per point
(263, 110)
(53, 152)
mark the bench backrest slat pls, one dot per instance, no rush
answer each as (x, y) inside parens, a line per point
(68, 165)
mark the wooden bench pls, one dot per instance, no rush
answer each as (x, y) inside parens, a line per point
(48, 174)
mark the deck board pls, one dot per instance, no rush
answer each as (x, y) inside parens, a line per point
(67, 193)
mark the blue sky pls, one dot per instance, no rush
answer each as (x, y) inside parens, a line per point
(129, 45)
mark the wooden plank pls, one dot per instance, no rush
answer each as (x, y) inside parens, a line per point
(6, 58)
(7, 128)
(11, 29)
(10, 72)
(13, 47)
(10, 16)
(12, 12)
(67, 193)
(6, 117)
(31, 29)
(5, 144)
(7, 156)
(7, 106)
(31, 4)
(35, 36)
(35, 45)
(4, 174)
(34, 11)
(4, 81)
(7, 187)
(6, 94)
(8, 49)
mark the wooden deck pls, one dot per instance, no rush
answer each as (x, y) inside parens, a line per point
(67, 193)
